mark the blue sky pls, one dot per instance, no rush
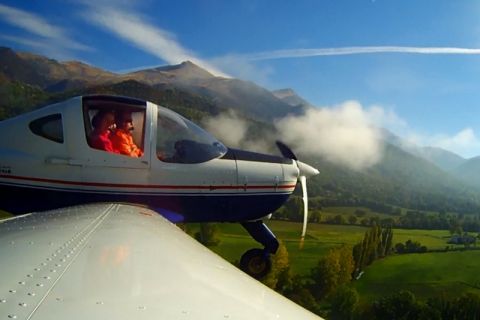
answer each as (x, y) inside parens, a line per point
(415, 63)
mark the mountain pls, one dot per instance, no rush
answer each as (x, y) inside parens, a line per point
(14, 68)
(48, 74)
(52, 76)
(186, 72)
(469, 171)
(444, 159)
(292, 98)
(244, 96)
(399, 179)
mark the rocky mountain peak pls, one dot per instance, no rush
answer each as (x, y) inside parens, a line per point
(290, 97)
(186, 70)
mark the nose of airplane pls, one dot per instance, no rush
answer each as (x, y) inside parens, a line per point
(306, 170)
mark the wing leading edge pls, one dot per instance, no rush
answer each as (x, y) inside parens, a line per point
(122, 262)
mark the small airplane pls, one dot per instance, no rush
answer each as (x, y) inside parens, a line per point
(49, 160)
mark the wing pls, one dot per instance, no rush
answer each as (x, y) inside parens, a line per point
(113, 261)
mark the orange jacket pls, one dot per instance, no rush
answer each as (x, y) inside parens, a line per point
(102, 141)
(122, 142)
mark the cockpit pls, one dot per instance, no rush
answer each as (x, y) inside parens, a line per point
(181, 141)
(178, 140)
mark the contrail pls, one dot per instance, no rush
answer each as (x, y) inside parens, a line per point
(298, 53)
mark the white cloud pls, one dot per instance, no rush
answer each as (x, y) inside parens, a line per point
(300, 53)
(135, 29)
(228, 127)
(242, 68)
(50, 35)
(232, 130)
(242, 65)
(465, 142)
(386, 118)
(42, 46)
(343, 134)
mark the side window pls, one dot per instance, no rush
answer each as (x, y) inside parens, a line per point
(49, 127)
(115, 127)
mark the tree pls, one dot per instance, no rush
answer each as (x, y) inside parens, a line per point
(443, 305)
(344, 303)
(357, 256)
(360, 213)
(279, 278)
(325, 276)
(346, 263)
(300, 294)
(396, 306)
(387, 236)
(468, 306)
(294, 208)
(352, 219)
(333, 270)
(315, 216)
(339, 219)
(400, 248)
(208, 234)
(455, 226)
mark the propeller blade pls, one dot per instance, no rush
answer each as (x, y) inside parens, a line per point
(285, 150)
(303, 182)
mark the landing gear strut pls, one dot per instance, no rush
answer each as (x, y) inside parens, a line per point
(256, 262)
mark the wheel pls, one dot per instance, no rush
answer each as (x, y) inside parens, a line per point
(256, 263)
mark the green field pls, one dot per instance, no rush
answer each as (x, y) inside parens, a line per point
(320, 237)
(350, 211)
(433, 239)
(424, 274)
(4, 214)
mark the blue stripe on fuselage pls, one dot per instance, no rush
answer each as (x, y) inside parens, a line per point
(175, 207)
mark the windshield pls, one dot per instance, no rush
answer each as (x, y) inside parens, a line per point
(181, 141)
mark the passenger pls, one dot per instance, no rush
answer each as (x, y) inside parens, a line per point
(102, 123)
(122, 139)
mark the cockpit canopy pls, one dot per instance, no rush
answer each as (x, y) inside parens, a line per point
(181, 141)
(178, 139)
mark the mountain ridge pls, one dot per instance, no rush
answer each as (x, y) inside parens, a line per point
(53, 76)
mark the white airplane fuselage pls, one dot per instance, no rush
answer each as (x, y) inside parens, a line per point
(46, 162)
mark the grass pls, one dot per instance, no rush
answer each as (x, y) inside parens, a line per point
(433, 239)
(4, 215)
(427, 275)
(320, 237)
(350, 211)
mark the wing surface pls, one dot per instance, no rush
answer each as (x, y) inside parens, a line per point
(115, 261)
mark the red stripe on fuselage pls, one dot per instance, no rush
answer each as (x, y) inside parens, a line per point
(141, 186)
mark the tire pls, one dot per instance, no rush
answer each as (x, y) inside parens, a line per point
(256, 263)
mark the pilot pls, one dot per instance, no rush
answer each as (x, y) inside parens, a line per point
(103, 122)
(122, 139)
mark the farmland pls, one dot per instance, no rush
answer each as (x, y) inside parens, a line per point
(425, 274)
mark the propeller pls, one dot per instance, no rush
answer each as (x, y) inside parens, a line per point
(286, 151)
(303, 182)
(305, 171)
